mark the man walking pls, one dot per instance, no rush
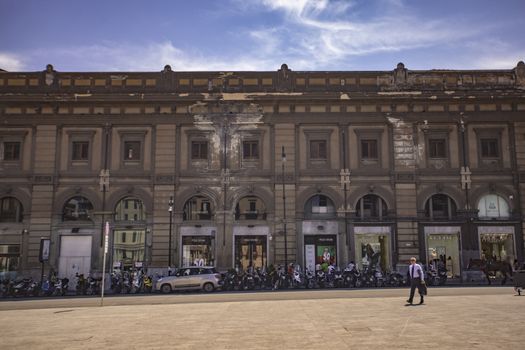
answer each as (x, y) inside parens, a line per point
(417, 280)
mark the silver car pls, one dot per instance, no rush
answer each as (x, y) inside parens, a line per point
(190, 278)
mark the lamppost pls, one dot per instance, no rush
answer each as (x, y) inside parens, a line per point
(283, 160)
(170, 210)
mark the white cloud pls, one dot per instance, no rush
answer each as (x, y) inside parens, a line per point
(327, 32)
(110, 56)
(10, 62)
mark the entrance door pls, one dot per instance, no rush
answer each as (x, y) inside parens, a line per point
(250, 251)
(75, 256)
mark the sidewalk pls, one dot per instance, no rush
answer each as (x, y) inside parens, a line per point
(492, 321)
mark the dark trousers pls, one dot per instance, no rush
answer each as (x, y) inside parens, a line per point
(415, 283)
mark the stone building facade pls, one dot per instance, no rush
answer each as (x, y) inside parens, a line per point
(261, 168)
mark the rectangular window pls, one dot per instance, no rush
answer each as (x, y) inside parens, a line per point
(489, 148)
(132, 150)
(250, 149)
(318, 149)
(199, 150)
(80, 150)
(11, 150)
(436, 148)
(369, 149)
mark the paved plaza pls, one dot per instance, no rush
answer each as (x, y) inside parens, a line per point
(452, 318)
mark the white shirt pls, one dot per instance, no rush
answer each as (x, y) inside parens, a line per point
(417, 273)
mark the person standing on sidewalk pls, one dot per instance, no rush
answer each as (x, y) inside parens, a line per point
(417, 280)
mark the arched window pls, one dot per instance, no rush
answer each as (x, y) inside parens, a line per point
(440, 206)
(198, 208)
(371, 206)
(130, 209)
(250, 208)
(493, 206)
(77, 208)
(11, 210)
(319, 207)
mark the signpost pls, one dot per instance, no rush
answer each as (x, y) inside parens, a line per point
(106, 244)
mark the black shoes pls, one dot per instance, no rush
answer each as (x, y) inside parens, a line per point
(409, 301)
(421, 301)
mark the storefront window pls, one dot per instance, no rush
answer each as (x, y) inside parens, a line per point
(197, 208)
(497, 246)
(9, 260)
(493, 206)
(11, 210)
(443, 250)
(77, 208)
(372, 250)
(250, 251)
(320, 251)
(197, 251)
(128, 247)
(250, 208)
(130, 209)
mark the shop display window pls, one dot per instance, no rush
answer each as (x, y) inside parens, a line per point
(9, 260)
(320, 251)
(373, 250)
(197, 251)
(443, 250)
(250, 252)
(497, 246)
(128, 247)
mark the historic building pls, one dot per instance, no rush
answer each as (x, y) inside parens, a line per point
(259, 168)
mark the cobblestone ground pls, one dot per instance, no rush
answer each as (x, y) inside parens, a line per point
(444, 322)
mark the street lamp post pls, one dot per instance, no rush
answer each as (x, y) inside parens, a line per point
(170, 210)
(283, 160)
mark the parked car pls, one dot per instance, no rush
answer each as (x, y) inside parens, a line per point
(190, 278)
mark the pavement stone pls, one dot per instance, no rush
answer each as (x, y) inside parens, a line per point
(448, 321)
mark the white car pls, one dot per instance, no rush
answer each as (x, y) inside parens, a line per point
(190, 278)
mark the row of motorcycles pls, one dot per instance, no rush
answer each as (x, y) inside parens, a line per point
(131, 282)
(330, 277)
(28, 287)
(294, 277)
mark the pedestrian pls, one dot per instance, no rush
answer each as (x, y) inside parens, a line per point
(417, 280)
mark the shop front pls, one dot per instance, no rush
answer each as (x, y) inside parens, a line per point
(373, 247)
(320, 250)
(443, 248)
(129, 247)
(497, 243)
(9, 260)
(320, 243)
(250, 247)
(198, 246)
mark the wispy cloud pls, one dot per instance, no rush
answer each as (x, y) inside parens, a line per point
(11, 62)
(111, 56)
(329, 31)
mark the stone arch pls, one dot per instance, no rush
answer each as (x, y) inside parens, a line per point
(141, 194)
(63, 197)
(455, 194)
(23, 197)
(383, 193)
(309, 192)
(501, 191)
(261, 193)
(187, 193)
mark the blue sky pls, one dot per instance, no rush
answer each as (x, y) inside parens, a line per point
(215, 35)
